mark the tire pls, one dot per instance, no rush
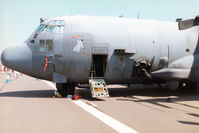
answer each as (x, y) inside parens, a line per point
(71, 89)
(173, 85)
(65, 89)
(62, 89)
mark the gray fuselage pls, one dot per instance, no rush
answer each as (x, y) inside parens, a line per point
(121, 41)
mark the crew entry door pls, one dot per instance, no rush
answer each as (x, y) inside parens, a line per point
(98, 66)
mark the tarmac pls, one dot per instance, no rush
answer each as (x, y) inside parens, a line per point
(29, 105)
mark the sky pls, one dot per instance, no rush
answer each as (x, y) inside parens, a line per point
(19, 18)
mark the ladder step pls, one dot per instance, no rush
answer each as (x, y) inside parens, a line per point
(98, 88)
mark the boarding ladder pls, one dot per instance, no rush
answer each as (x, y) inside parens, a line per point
(98, 87)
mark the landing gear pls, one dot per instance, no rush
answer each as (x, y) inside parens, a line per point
(65, 89)
(173, 85)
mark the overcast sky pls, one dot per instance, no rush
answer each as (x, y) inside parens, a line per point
(20, 17)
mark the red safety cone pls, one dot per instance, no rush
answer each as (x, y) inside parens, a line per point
(76, 96)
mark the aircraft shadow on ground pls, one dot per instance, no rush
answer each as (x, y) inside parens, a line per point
(159, 94)
(189, 123)
(153, 95)
(29, 94)
(122, 94)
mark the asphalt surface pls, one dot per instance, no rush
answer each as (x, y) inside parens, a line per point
(28, 105)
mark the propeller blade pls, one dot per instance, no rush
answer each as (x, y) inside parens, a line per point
(183, 25)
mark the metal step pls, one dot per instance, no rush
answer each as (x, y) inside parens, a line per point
(98, 88)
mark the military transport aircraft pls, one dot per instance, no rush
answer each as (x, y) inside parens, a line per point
(98, 50)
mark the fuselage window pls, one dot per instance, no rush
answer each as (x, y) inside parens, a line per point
(49, 44)
(42, 46)
(45, 45)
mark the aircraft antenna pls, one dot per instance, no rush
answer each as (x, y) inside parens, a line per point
(138, 16)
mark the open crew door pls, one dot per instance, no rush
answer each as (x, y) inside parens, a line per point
(98, 66)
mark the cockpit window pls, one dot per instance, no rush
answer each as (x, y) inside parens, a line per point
(52, 29)
(59, 29)
(56, 22)
(61, 22)
(45, 29)
(53, 26)
(40, 28)
(53, 22)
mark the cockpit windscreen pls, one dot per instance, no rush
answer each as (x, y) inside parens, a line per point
(53, 26)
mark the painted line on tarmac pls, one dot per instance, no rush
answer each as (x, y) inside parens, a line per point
(51, 84)
(111, 122)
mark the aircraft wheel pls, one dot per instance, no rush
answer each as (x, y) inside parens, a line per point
(162, 85)
(62, 90)
(71, 89)
(58, 95)
(173, 85)
(65, 89)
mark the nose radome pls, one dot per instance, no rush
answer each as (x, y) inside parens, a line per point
(18, 58)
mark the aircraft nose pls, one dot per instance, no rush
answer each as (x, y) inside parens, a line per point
(18, 58)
